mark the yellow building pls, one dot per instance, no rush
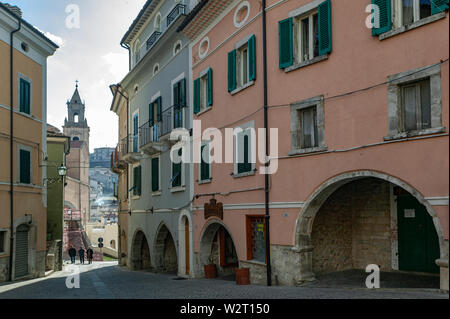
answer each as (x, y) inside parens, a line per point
(23, 146)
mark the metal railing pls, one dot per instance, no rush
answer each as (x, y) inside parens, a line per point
(128, 145)
(177, 11)
(153, 38)
(170, 119)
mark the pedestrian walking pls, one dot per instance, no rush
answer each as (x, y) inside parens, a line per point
(90, 255)
(81, 255)
(72, 254)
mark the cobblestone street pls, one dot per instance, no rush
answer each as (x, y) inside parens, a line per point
(105, 280)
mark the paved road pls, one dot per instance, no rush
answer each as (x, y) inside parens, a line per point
(106, 280)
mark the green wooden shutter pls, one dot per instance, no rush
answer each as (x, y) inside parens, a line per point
(210, 87)
(159, 109)
(22, 95)
(25, 98)
(204, 169)
(232, 71)
(197, 96)
(176, 95)
(183, 93)
(135, 179)
(325, 27)
(155, 174)
(252, 58)
(28, 97)
(385, 16)
(25, 167)
(439, 6)
(151, 117)
(139, 180)
(285, 46)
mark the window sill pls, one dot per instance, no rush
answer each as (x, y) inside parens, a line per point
(308, 150)
(158, 193)
(255, 262)
(414, 25)
(306, 63)
(241, 88)
(178, 189)
(135, 197)
(245, 174)
(206, 181)
(204, 111)
(402, 135)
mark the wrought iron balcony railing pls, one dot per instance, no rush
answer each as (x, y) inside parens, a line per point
(177, 11)
(153, 38)
(170, 119)
(128, 145)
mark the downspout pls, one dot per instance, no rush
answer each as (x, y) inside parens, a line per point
(266, 128)
(11, 128)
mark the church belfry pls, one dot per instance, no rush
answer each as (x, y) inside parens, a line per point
(75, 124)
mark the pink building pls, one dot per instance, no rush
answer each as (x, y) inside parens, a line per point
(362, 119)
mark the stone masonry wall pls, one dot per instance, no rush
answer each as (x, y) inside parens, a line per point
(352, 228)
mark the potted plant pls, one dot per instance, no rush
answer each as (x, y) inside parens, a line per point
(242, 276)
(210, 269)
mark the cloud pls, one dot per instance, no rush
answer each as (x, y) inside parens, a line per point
(117, 64)
(56, 39)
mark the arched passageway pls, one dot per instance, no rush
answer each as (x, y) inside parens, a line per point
(217, 247)
(140, 258)
(363, 220)
(166, 260)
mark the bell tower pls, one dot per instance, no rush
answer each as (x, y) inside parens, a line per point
(75, 125)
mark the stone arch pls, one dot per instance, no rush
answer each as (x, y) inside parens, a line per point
(208, 234)
(185, 244)
(165, 250)
(305, 220)
(140, 252)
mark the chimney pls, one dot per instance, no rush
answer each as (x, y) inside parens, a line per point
(14, 9)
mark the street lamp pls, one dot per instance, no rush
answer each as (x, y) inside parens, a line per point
(62, 171)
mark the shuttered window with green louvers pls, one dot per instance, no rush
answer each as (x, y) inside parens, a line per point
(385, 17)
(286, 50)
(155, 174)
(25, 96)
(25, 167)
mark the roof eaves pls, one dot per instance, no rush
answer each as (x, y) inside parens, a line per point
(136, 21)
(192, 15)
(39, 33)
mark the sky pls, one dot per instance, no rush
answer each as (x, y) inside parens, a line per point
(90, 54)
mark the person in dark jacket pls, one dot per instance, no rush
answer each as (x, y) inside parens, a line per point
(90, 255)
(81, 255)
(72, 254)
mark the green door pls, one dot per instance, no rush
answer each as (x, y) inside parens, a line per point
(418, 244)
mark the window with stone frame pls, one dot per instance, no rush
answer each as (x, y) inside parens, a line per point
(307, 126)
(406, 12)
(415, 102)
(242, 65)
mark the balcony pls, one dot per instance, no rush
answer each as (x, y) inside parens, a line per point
(118, 165)
(129, 149)
(154, 136)
(153, 38)
(179, 9)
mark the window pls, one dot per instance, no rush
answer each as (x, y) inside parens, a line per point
(177, 48)
(415, 102)
(135, 133)
(155, 117)
(177, 172)
(399, 13)
(76, 117)
(76, 138)
(155, 69)
(307, 127)
(242, 65)
(307, 30)
(256, 239)
(245, 151)
(205, 166)
(158, 22)
(137, 186)
(416, 105)
(3, 239)
(25, 167)
(155, 175)
(203, 91)
(25, 96)
(179, 101)
(305, 37)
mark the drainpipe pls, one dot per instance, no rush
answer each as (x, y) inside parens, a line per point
(11, 154)
(266, 127)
